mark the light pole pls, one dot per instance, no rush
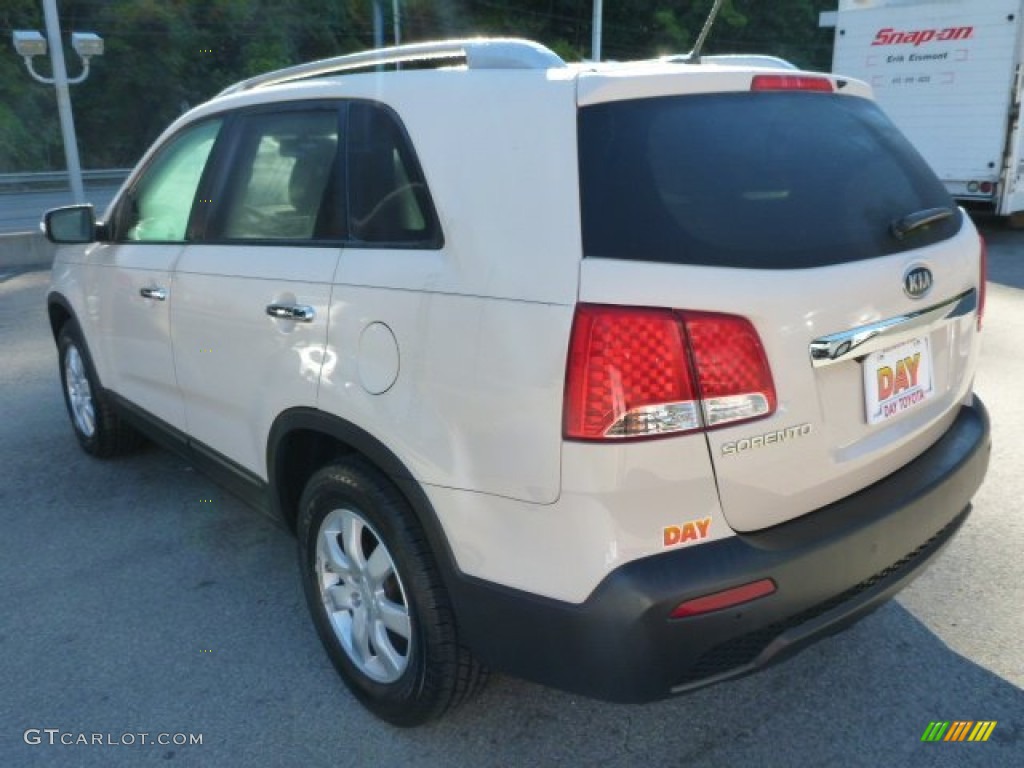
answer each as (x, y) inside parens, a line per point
(378, 23)
(29, 43)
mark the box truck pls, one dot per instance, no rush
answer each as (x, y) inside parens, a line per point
(948, 73)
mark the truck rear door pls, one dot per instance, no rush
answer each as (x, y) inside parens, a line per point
(944, 73)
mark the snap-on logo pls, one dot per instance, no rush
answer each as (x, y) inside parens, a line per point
(890, 36)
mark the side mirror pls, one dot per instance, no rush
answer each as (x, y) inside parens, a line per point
(71, 224)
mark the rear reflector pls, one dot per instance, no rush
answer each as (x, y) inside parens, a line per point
(791, 83)
(982, 280)
(724, 599)
(640, 372)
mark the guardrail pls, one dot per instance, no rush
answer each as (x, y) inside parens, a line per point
(42, 179)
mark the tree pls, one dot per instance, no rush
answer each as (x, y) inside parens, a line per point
(164, 56)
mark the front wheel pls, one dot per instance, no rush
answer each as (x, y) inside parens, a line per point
(99, 430)
(377, 599)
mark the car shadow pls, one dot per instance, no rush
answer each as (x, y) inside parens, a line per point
(864, 697)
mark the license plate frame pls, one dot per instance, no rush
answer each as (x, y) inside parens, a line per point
(897, 380)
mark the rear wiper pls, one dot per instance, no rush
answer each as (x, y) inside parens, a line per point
(902, 227)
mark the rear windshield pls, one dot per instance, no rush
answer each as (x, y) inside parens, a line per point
(751, 180)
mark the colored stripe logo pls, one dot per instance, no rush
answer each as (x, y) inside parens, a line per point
(959, 730)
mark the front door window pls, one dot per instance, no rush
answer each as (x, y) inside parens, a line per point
(158, 207)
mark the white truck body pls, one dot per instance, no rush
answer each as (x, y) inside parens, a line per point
(948, 74)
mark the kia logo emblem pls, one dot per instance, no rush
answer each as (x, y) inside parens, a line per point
(917, 282)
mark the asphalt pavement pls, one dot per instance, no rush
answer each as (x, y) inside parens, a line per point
(139, 598)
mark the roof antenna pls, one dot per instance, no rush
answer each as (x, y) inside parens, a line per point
(694, 57)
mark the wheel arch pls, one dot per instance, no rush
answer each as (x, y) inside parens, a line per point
(59, 311)
(302, 440)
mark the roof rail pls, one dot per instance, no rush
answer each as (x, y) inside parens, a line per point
(479, 53)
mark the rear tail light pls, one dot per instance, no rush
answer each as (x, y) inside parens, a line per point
(982, 280)
(733, 377)
(791, 83)
(638, 372)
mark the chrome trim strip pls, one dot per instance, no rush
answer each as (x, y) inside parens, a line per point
(836, 347)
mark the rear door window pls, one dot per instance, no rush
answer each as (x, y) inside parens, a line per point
(282, 181)
(751, 180)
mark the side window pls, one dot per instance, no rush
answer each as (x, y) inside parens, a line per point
(389, 203)
(282, 183)
(157, 208)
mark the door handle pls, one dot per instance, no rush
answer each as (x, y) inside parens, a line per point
(300, 312)
(160, 294)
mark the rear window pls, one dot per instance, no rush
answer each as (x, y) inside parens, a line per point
(751, 180)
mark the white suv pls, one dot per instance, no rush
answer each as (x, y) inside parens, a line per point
(622, 378)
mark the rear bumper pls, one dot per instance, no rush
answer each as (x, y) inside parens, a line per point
(831, 567)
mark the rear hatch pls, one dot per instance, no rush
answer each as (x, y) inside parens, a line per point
(802, 209)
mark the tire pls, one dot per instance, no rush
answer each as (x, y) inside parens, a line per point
(377, 600)
(100, 431)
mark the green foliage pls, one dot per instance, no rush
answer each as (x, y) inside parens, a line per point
(165, 56)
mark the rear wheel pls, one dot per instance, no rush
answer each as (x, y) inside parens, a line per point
(377, 599)
(99, 429)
